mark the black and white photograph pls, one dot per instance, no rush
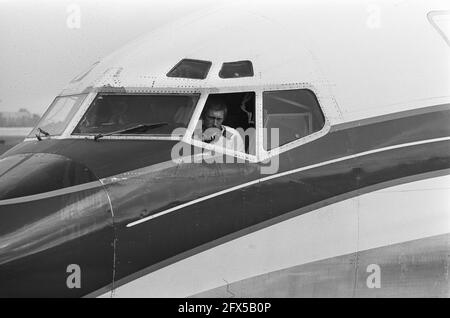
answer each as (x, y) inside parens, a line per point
(240, 150)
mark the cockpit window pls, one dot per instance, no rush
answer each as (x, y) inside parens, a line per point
(137, 114)
(236, 69)
(228, 121)
(188, 68)
(58, 115)
(289, 115)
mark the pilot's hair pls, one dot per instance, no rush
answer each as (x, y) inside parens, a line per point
(215, 102)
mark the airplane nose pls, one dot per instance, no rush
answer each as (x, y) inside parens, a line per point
(29, 174)
(43, 231)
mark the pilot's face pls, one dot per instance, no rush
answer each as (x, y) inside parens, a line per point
(213, 119)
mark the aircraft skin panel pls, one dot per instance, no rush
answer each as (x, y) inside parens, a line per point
(111, 157)
(372, 190)
(314, 175)
(28, 174)
(106, 158)
(41, 238)
(411, 269)
(8, 142)
(212, 220)
(288, 46)
(347, 227)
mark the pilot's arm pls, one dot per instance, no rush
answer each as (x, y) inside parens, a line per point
(239, 143)
(235, 141)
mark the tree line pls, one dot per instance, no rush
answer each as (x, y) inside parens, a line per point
(27, 120)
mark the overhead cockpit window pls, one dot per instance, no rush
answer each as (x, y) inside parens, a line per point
(188, 68)
(290, 115)
(137, 114)
(58, 115)
(236, 69)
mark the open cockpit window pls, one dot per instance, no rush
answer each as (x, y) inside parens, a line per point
(187, 68)
(236, 69)
(58, 115)
(290, 115)
(137, 114)
(228, 121)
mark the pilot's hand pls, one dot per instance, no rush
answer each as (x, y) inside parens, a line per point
(211, 134)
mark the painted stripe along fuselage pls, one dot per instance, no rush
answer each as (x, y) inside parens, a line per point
(415, 268)
(403, 146)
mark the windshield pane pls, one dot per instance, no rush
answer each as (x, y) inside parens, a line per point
(158, 114)
(293, 113)
(58, 115)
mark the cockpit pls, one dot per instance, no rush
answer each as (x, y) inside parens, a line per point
(294, 112)
(154, 114)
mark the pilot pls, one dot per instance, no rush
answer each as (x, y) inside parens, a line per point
(119, 116)
(216, 133)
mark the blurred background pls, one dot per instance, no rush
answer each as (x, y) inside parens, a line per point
(46, 43)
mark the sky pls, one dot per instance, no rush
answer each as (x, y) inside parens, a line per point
(46, 43)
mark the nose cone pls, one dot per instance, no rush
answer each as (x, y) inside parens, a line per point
(42, 233)
(29, 174)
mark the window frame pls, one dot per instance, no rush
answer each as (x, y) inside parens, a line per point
(130, 136)
(50, 108)
(267, 154)
(208, 70)
(93, 95)
(260, 155)
(188, 137)
(233, 62)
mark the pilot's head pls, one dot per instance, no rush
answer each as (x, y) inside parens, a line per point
(214, 114)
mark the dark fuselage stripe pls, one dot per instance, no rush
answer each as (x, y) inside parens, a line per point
(378, 154)
(430, 169)
(108, 158)
(270, 222)
(371, 134)
(279, 175)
